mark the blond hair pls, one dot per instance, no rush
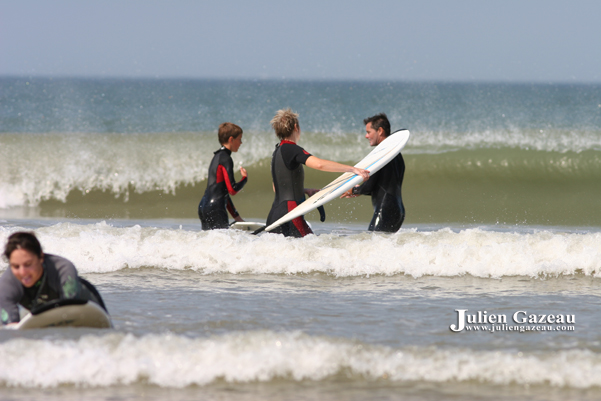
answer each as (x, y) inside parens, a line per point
(283, 123)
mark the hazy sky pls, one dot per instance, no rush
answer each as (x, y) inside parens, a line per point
(475, 40)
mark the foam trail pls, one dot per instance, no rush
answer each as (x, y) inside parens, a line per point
(175, 361)
(101, 248)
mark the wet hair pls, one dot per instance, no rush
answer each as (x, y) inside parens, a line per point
(22, 240)
(379, 121)
(227, 130)
(283, 123)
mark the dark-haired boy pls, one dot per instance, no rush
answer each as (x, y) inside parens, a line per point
(216, 202)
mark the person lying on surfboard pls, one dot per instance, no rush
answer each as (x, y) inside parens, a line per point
(216, 202)
(34, 278)
(385, 185)
(288, 174)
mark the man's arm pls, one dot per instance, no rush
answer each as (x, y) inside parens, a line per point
(364, 189)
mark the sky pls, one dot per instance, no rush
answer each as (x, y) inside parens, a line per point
(426, 40)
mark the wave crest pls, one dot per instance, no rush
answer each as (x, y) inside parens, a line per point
(175, 361)
(102, 248)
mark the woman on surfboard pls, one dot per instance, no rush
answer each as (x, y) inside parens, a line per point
(35, 278)
(216, 202)
(288, 174)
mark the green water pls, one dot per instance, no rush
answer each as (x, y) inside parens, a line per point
(430, 196)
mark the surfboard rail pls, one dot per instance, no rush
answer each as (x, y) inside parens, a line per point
(65, 313)
(246, 225)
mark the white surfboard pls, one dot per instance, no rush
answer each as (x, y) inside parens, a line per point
(88, 314)
(374, 161)
(247, 225)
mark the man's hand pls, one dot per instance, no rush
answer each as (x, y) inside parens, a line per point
(349, 193)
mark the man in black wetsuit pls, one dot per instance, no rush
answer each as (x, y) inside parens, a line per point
(35, 278)
(288, 174)
(385, 185)
(216, 202)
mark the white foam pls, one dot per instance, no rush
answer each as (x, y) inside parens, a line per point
(56, 164)
(546, 140)
(11, 195)
(176, 361)
(102, 247)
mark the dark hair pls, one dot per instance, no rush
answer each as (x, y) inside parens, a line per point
(227, 130)
(379, 121)
(23, 240)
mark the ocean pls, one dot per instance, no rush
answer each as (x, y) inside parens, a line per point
(489, 291)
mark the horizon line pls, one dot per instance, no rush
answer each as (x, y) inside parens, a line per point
(296, 79)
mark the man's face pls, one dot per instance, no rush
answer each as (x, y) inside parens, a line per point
(374, 137)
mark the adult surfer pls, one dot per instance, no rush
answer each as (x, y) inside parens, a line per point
(35, 278)
(216, 202)
(385, 185)
(288, 174)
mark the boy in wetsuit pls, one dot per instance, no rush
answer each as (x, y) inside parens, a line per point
(216, 202)
(288, 174)
(385, 185)
(35, 278)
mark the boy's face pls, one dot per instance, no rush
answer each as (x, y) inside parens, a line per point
(235, 142)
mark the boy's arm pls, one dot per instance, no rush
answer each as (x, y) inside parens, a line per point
(232, 209)
(227, 169)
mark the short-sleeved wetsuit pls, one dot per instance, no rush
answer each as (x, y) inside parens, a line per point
(289, 184)
(216, 202)
(59, 281)
(385, 190)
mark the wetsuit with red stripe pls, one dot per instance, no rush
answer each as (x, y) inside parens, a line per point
(289, 183)
(216, 202)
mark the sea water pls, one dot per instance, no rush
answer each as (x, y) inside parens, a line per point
(503, 227)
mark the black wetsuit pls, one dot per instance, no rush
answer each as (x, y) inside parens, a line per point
(385, 190)
(216, 202)
(289, 183)
(59, 281)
